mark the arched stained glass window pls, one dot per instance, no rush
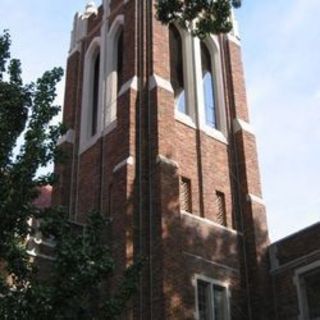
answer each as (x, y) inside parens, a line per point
(176, 68)
(208, 82)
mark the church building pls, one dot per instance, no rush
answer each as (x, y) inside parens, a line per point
(160, 142)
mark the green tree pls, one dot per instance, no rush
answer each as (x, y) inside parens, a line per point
(205, 16)
(83, 265)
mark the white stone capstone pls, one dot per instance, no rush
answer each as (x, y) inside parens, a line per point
(91, 8)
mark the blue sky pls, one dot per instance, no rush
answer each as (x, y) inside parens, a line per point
(281, 45)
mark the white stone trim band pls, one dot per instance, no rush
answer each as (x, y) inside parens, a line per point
(128, 161)
(34, 254)
(165, 160)
(239, 124)
(38, 241)
(234, 39)
(209, 222)
(68, 137)
(76, 48)
(110, 127)
(130, 84)
(184, 118)
(157, 81)
(255, 199)
(216, 134)
(211, 262)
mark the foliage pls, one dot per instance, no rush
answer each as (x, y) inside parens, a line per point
(23, 109)
(83, 266)
(80, 274)
(205, 16)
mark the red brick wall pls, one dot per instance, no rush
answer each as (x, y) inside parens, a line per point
(299, 250)
(145, 196)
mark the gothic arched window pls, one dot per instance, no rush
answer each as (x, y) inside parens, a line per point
(95, 95)
(115, 61)
(119, 62)
(210, 88)
(208, 83)
(91, 96)
(176, 69)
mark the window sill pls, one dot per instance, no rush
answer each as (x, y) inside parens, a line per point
(110, 127)
(209, 222)
(92, 140)
(88, 143)
(184, 118)
(211, 132)
(216, 134)
(66, 138)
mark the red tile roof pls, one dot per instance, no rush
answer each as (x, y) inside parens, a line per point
(44, 199)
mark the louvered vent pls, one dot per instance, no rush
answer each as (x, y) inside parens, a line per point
(221, 216)
(185, 195)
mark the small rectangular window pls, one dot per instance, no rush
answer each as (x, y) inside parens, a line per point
(185, 195)
(220, 208)
(212, 301)
(204, 300)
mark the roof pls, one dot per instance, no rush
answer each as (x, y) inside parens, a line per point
(44, 199)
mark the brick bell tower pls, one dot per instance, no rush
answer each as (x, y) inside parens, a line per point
(159, 140)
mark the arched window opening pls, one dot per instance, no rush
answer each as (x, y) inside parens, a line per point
(115, 66)
(91, 96)
(119, 63)
(95, 95)
(176, 69)
(208, 83)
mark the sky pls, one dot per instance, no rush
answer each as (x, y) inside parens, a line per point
(280, 46)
